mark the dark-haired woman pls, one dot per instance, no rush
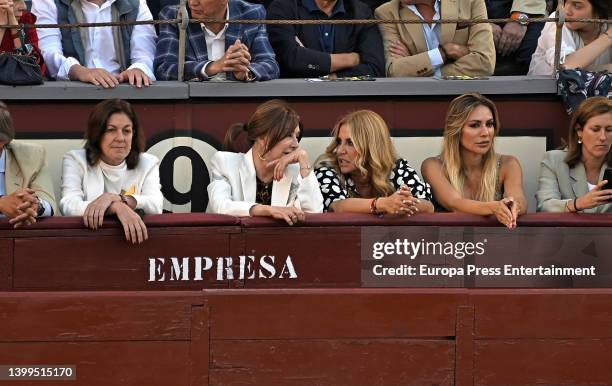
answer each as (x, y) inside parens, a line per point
(571, 180)
(112, 175)
(583, 45)
(274, 178)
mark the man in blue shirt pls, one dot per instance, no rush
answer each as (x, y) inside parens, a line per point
(314, 50)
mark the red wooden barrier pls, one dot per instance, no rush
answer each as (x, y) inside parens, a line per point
(314, 337)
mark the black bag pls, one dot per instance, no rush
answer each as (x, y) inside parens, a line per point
(577, 85)
(20, 67)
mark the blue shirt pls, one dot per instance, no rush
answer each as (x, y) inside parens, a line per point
(432, 37)
(326, 31)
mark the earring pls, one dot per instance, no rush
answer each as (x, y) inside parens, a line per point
(261, 157)
(579, 140)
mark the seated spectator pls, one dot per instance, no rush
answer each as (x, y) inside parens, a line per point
(339, 50)
(469, 176)
(26, 190)
(274, 178)
(157, 5)
(103, 56)
(221, 51)
(11, 39)
(112, 174)
(515, 41)
(360, 171)
(437, 49)
(571, 179)
(587, 46)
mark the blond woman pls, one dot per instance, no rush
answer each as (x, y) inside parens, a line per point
(361, 173)
(469, 176)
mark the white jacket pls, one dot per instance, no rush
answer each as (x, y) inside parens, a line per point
(82, 183)
(233, 187)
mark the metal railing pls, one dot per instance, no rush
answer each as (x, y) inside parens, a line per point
(183, 21)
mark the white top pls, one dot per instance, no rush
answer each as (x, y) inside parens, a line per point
(82, 183)
(432, 37)
(590, 186)
(215, 47)
(233, 186)
(101, 51)
(543, 59)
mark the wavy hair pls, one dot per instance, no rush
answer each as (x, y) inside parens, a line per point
(376, 154)
(457, 116)
(588, 109)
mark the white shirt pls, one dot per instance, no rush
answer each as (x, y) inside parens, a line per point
(45, 204)
(101, 52)
(543, 59)
(432, 37)
(215, 47)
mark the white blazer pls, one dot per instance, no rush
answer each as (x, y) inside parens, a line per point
(233, 187)
(82, 183)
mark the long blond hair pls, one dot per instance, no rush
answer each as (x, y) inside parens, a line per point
(456, 117)
(376, 153)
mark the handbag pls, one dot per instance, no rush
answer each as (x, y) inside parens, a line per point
(20, 67)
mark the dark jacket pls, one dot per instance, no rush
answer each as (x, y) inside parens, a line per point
(311, 60)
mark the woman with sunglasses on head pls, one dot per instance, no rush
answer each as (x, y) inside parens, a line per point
(274, 178)
(360, 171)
(112, 174)
(469, 176)
(572, 179)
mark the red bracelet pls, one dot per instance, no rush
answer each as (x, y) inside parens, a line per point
(373, 209)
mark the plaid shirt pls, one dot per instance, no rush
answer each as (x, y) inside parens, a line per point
(263, 62)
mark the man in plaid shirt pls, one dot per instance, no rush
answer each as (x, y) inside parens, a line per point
(216, 50)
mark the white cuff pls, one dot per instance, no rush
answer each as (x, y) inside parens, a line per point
(64, 71)
(144, 68)
(48, 208)
(435, 58)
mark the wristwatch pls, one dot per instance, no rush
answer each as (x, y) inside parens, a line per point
(41, 207)
(520, 18)
(249, 76)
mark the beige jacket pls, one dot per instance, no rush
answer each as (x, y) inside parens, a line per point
(560, 183)
(26, 167)
(533, 7)
(478, 38)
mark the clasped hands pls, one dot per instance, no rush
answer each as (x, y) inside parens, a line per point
(506, 211)
(400, 203)
(237, 59)
(21, 207)
(508, 39)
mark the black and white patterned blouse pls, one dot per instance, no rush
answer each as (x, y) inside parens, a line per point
(402, 174)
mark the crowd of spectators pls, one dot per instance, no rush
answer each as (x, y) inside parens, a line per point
(139, 55)
(359, 172)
